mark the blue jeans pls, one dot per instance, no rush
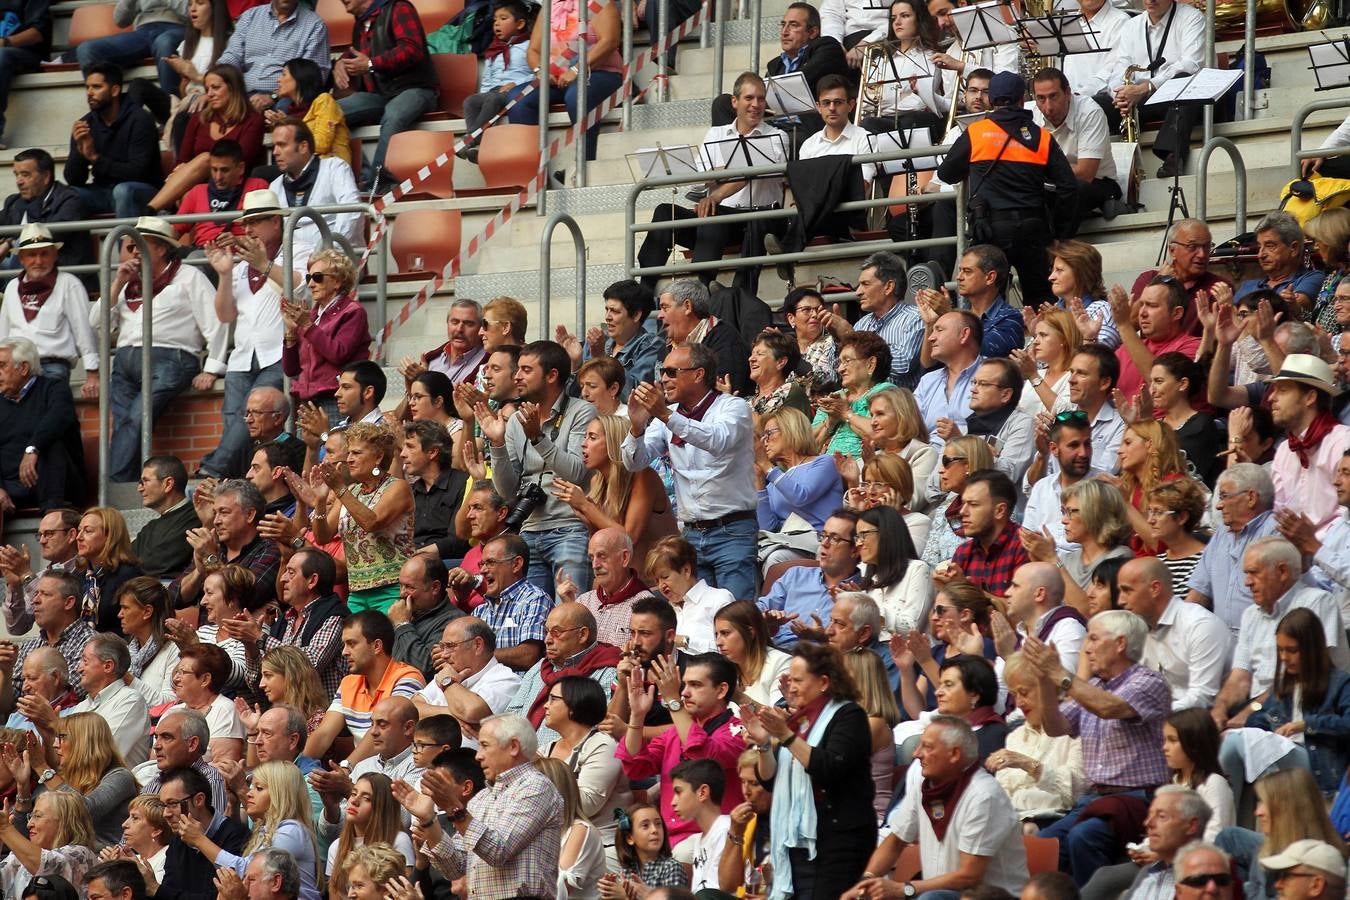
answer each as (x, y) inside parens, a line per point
(600, 86)
(124, 200)
(171, 373)
(558, 548)
(157, 39)
(1084, 846)
(238, 385)
(57, 369)
(1243, 844)
(1233, 762)
(726, 556)
(398, 114)
(13, 61)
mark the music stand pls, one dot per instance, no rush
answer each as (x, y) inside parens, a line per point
(1205, 86)
(903, 139)
(1331, 63)
(650, 162)
(789, 94)
(1061, 35)
(981, 26)
(747, 150)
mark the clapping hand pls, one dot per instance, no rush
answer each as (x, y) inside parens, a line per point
(19, 764)
(568, 492)
(443, 792)
(1005, 638)
(1088, 326)
(564, 586)
(313, 422)
(400, 888)
(228, 885)
(233, 772)
(641, 696)
(492, 424)
(280, 527)
(473, 460)
(814, 632)
(1122, 308)
(1040, 545)
(248, 715)
(420, 806)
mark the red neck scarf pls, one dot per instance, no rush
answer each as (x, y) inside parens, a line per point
(982, 715)
(257, 279)
(939, 800)
(695, 412)
(953, 515)
(805, 718)
(500, 47)
(600, 656)
(34, 292)
(160, 282)
(631, 588)
(1307, 445)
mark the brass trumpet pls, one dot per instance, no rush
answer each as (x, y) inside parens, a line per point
(1129, 123)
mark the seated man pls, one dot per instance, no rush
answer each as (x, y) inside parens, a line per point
(993, 550)
(995, 416)
(223, 190)
(1176, 53)
(981, 280)
(156, 30)
(50, 308)
(103, 666)
(232, 539)
(266, 410)
(41, 198)
(422, 610)
(1317, 861)
(1079, 125)
(1176, 817)
(570, 648)
(1189, 247)
(309, 180)
(386, 74)
(46, 676)
(161, 544)
(617, 586)
(709, 237)
(483, 518)
(462, 355)
(56, 612)
(1036, 606)
(1279, 241)
(114, 161)
(853, 22)
(268, 35)
(186, 794)
(1087, 72)
(41, 452)
(470, 684)
(56, 538)
(181, 740)
(1159, 312)
(269, 459)
(855, 624)
(312, 620)
(803, 595)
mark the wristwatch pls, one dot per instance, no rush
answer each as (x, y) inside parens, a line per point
(910, 890)
(213, 559)
(298, 543)
(46, 776)
(323, 437)
(30, 449)
(672, 705)
(1065, 683)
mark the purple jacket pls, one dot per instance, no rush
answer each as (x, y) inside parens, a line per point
(313, 362)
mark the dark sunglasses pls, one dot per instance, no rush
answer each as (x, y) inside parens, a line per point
(948, 460)
(1077, 416)
(318, 277)
(672, 371)
(1222, 879)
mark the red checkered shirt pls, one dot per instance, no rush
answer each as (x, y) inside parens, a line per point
(992, 570)
(409, 49)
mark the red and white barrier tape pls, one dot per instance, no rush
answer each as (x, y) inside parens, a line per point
(474, 246)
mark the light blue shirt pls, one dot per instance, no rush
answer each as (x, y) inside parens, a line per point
(1219, 576)
(292, 837)
(902, 330)
(532, 684)
(799, 590)
(812, 490)
(1331, 565)
(936, 402)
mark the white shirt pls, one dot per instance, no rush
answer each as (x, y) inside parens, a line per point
(1189, 647)
(840, 18)
(897, 95)
(580, 880)
(334, 185)
(765, 689)
(1016, 445)
(1087, 72)
(906, 604)
(984, 823)
(1218, 794)
(1255, 651)
(1338, 138)
(221, 718)
(694, 617)
(714, 468)
(496, 684)
(402, 843)
(1003, 58)
(61, 327)
(1043, 510)
(123, 708)
(259, 329)
(762, 191)
(708, 854)
(1082, 135)
(1067, 635)
(1062, 777)
(852, 141)
(1331, 565)
(1181, 52)
(183, 317)
(156, 681)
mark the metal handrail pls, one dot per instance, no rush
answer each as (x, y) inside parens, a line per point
(105, 350)
(1248, 59)
(719, 8)
(288, 243)
(583, 73)
(1239, 178)
(545, 70)
(1296, 152)
(546, 272)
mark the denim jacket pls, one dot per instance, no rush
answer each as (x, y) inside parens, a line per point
(1328, 729)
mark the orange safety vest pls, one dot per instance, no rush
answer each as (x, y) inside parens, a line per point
(987, 141)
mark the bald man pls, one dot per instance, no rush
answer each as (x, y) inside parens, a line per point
(392, 723)
(265, 414)
(615, 589)
(1187, 644)
(45, 675)
(570, 648)
(1036, 606)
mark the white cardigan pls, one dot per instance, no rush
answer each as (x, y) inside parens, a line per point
(905, 605)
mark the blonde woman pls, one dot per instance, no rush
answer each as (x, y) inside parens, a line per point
(107, 562)
(1045, 364)
(145, 834)
(883, 714)
(798, 487)
(960, 458)
(55, 838)
(286, 676)
(87, 764)
(324, 336)
(1330, 234)
(369, 870)
(373, 514)
(581, 861)
(889, 481)
(617, 498)
(1095, 519)
(898, 429)
(1149, 456)
(278, 804)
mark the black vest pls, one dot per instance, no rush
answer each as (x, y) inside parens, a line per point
(421, 75)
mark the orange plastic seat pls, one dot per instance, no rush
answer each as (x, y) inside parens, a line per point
(432, 234)
(435, 13)
(409, 151)
(338, 20)
(508, 156)
(457, 74)
(89, 23)
(1042, 854)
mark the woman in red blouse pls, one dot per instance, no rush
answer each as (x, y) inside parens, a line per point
(226, 113)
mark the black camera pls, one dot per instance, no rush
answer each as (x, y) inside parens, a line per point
(530, 497)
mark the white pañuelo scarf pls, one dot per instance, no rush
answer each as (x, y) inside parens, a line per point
(792, 818)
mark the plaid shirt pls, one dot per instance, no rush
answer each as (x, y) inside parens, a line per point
(517, 615)
(511, 846)
(259, 556)
(1125, 752)
(992, 570)
(324, 649)
(409, 44)
(70, 644)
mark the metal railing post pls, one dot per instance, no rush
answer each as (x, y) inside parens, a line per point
(583, 73)
(1248, 62)
(626, 12)
(110, 244)
(719, 45)
(546, 273)
(703, 26)
(1210, 59)
(1239, 179)
(756, 24)
(293, 218)
(662, 29)
(382, 285)
(545, 73)
(1296, 152)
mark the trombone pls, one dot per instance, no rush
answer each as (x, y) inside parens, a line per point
(875, 55)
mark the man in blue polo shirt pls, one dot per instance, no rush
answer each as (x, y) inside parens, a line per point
(1279, 241)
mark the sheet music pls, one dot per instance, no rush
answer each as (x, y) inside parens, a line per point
(1330, 64)
(1205, 86)
(906, 139)
(1062, 35)
(982, 26)
(653, 162)
(789, 94)
(743, 151)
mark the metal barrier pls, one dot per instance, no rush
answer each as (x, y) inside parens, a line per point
(546, 273)
(719, 44)
(583, 73)
(1239, 178)
(105, 350)
(545, 67)
(632, 227)
(1296, 152)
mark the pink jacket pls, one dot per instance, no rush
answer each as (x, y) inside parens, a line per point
(341, 336)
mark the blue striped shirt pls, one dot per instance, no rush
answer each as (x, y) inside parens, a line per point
(517, 615)
(261, 45)
(902, 330)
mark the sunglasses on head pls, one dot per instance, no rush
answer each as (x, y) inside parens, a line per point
(1076, 416)
(1222, 879)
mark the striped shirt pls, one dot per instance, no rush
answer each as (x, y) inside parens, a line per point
(902, 330)
(517, 615)
(260, 45)
(1180, 569)
(355, 699)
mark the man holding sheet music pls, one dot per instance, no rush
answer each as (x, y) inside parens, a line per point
(1078, 125)
(1168, 41)
(957, 62)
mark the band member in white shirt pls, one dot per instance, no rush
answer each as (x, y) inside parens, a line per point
(1079, 126)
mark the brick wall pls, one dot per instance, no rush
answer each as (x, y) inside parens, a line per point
(190, 428)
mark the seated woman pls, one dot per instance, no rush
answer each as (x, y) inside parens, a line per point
(1095, 519)
(774, 360)
(1103, 593)
(967, 687)
(372, 819)
(601, 381)
(581, 860)
(575, 708)
(324, 335)
(1175, 510)
(285, 676)
(909, 96)
(843, 417)
(1174, 381)
(898, 581)
(672, 568)
(226, 593)
(505, 72)
(203, 670)
(52, 835)
(1191, 749)
(1043, 776)
(898, 429)
(1309, 703)
(431, 397)
(1045, 364)
(145, 834)
(143, 606)
(887, 481)
(1149, 456)
(883, 714)
(1076, 282)
(226, 113)
(798, 488)
(960, 457)
(104, 545)
(643, 853)
(743, 637)
(302, 82)
(803, 308)
(959, 624)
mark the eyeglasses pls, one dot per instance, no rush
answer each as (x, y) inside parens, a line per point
(832, 102)
(556, 632)
(423, 746)
(448, 646)
(1222, 879)
(950, 460)
(940, 610)
(1154, 513)
(984, 384)
(826, 539)
(1225, 496)
(1189, 247)
(258, 413)
(554, 698)
(495, 562)
(1076, 416)
(770, 432)
(863, 535)
(847, 360)
(181, 804)
(42, 535)
(807, 310)
(1070, 510)
(318, 277)
(672, 371)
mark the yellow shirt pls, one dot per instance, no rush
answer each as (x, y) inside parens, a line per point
(332, 137)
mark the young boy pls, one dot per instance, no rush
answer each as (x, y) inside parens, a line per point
(506, 71)
(697, 785)
(435, 735)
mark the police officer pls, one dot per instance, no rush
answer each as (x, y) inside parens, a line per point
(1008, 161)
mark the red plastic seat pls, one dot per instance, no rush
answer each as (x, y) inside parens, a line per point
(435, 13)
(432, 234)
(89, 23)
(338, 20)
(508, 156)
(1042, 854)
(457, 74)
(409, 151)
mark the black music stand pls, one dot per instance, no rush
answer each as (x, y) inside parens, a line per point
(981, 26)
(1330, 63)
(747, 150)
(1057, 36)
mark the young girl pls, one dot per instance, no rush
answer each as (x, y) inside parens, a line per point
(372, 818)
(643, 850)
(505, 70)
(1191, 748)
